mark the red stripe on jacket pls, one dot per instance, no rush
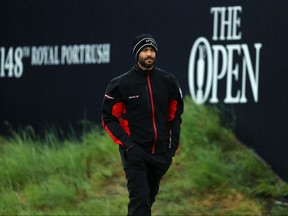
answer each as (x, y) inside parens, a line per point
(115, 139)
(172, 109)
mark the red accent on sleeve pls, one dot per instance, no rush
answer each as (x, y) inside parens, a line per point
(118, 110)
(125, 126)
(111, 135)
(172, 109)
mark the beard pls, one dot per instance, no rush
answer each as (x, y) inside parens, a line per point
(143, 63)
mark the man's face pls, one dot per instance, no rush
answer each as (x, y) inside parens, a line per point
(147, 57)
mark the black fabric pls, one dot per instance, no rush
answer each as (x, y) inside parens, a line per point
(131, 88)
(143, 173)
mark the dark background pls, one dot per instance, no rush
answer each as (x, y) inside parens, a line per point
(66, 94)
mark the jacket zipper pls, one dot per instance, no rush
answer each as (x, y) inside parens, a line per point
(153, 113)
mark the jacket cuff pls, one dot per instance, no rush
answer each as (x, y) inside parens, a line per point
(173, 150)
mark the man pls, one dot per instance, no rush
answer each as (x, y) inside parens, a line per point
(142, 113)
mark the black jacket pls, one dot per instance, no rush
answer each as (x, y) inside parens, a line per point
(144, 108)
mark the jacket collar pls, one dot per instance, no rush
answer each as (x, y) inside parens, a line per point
(143, 72)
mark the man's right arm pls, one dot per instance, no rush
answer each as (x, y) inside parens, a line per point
(113, 108)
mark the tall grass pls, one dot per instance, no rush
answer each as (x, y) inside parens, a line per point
(212, 174)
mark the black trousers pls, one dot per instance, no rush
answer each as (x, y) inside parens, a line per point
(143, 173)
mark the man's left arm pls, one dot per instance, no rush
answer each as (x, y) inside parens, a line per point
(176, 107)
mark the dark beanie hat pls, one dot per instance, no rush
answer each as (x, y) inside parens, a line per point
(142, 41)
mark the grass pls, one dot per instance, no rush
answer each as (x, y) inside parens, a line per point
(212, 174)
